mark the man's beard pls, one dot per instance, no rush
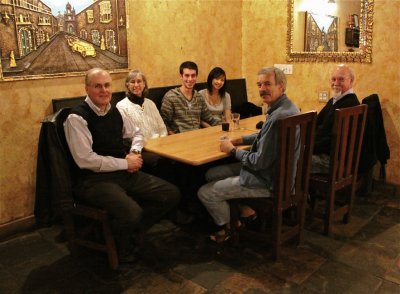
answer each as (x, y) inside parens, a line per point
(336, 93)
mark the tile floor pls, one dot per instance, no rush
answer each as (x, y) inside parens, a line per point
(361, 257)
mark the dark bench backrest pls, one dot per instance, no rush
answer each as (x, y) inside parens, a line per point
(238, 91)
(235, 87)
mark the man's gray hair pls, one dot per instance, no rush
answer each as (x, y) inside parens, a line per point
(91, 72)
(280, 77)
(349, 70)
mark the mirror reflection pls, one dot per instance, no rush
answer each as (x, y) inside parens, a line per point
(321, 33)
(330, 30)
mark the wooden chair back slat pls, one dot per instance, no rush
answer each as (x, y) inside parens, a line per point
(295, 146)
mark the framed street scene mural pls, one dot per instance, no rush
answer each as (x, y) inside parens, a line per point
(47, 38)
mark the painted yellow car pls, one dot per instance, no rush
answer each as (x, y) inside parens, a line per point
(82, 47)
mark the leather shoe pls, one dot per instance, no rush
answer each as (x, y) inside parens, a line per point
(182, 218)
(128, 257)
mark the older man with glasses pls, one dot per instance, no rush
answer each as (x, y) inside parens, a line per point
(109, 176)
(342, 80)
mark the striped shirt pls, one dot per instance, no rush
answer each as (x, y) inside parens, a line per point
(181, 115)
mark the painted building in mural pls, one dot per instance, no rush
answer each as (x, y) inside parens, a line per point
(103, 24)
(24, 25)
(69, 23)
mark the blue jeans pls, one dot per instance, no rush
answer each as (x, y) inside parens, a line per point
(224, 184)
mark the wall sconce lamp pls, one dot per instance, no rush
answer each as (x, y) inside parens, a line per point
(322, 7)
(331, 6)
(121, 22)
(5, 17)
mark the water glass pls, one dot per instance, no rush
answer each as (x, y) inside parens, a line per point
(235, 119)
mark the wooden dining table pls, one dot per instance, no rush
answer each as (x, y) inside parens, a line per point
(200, 146)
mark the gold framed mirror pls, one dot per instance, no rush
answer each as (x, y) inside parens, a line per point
(352, 30)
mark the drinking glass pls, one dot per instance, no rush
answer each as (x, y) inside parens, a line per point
(225, 126)
(235, 119)
(225, 123)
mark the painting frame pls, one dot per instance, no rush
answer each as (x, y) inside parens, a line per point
(39, 45)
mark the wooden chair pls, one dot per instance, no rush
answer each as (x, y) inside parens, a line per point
(84, 236)
(347, 136)
(82, 222)
(287, 200)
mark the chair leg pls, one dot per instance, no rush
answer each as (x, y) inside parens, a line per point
(329, 213)
(301, 219)
(70, 230)
(110, 244)
(277, 231)
(350, 202)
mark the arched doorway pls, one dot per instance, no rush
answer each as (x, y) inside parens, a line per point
(25, 41)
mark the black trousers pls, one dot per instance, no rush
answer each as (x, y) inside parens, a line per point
(135, 201)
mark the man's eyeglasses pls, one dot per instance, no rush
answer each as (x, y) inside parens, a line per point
(100, 86)
(340, 79)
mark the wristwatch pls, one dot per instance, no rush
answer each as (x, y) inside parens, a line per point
(136, 151)
(233, 152)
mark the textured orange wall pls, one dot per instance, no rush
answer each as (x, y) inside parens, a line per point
(264, 43)
(163, 34)
(239, 36)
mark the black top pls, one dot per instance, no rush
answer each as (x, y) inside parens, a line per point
(325, 120)
(375, 146)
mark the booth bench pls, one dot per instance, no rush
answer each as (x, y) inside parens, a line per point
(235, 87)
